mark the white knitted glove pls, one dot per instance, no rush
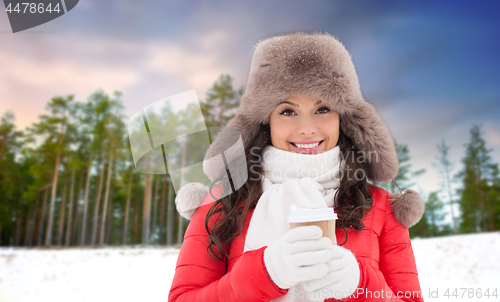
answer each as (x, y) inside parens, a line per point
(299, 255)
(342, 278)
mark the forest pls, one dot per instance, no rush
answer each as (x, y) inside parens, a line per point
(70, 179)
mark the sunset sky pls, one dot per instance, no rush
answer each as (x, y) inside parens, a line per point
(431, 68)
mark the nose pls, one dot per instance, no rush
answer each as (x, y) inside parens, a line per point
(307, 126)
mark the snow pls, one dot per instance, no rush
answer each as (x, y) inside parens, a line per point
(106, 274)
(468, 263)
(461, 262)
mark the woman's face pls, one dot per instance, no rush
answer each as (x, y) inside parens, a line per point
(299, 123)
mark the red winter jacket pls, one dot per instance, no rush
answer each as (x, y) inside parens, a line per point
(382, 248)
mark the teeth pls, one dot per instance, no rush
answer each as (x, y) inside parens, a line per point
(307, 146)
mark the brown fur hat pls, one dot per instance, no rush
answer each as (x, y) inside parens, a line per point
(320, 67)
(317, 66)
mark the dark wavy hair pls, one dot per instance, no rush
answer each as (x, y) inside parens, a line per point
(353, 197)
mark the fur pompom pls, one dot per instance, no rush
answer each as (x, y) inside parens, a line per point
(189, 198)
(408, 207)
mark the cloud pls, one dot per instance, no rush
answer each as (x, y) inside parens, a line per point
(30, 78)
(62, 73)
(196, 69)
(492, 136)
(144, 71)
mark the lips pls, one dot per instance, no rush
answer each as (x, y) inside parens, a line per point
(306, 150)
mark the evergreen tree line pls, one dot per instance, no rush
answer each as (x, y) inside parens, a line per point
(472, 208)
(70, 180)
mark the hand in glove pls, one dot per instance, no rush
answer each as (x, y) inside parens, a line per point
(342, 278)
(299, 255)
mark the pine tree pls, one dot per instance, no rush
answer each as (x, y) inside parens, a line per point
(115, 131)
(54, 128)
(431, 223)
(479, 195)
(9, 137)
(445, 167)
(221, 100)
(95, 119)
(14, 180)
(433, 210)
(9, 146)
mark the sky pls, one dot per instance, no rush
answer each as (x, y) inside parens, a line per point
(431, 68)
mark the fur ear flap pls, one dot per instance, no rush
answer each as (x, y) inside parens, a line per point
(408, 207)
(189, 198)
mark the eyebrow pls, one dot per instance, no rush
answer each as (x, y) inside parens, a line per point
(293, 104)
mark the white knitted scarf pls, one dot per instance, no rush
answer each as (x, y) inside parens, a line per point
(305, 180)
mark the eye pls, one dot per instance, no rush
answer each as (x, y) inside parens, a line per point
(286, 110)
(324, 109)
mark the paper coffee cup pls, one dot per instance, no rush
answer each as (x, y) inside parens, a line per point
(323, 217)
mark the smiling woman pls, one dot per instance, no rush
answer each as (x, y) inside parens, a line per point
(306, 131)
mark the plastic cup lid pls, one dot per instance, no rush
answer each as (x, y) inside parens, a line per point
(298, 215)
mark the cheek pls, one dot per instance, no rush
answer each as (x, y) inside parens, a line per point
(280, 132)
(332, 130)
(277, 134)
(274, 129)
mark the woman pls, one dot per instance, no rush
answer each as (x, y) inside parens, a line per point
(308, 139)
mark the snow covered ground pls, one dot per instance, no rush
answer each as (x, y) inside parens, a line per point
(466, 265)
